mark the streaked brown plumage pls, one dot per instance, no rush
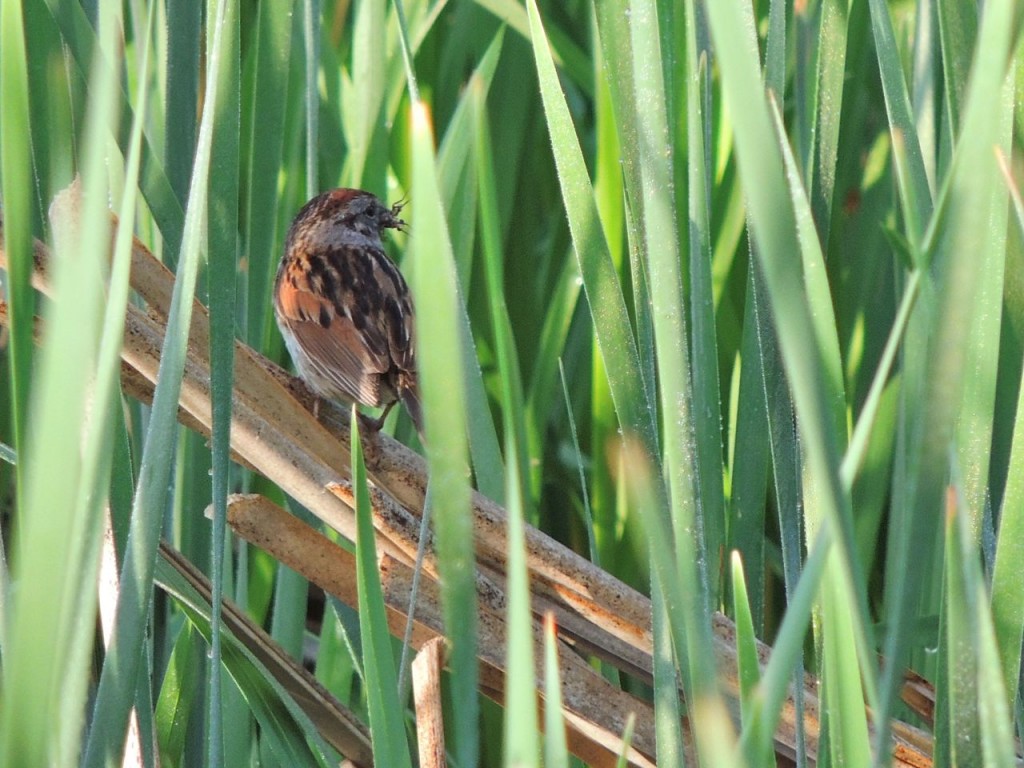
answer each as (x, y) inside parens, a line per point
(343, 307)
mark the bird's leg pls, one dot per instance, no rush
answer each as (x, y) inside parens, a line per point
(375, 425)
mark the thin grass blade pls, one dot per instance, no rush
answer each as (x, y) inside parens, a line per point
(443, 389)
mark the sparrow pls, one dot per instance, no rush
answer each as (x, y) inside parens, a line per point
(344, 309)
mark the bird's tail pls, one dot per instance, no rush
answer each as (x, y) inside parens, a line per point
(409, 393)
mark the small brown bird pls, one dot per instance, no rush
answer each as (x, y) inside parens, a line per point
(343, 307)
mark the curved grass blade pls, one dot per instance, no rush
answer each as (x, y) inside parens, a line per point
(600, 281)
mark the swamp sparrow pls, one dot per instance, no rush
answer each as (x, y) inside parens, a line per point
(343, 307)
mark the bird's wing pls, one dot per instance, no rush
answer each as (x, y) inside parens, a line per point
(331, 304)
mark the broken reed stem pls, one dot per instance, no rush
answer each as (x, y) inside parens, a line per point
(594, 709)
(426, 687)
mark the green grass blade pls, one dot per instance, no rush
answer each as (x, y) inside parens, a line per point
(504, 341)
(390, 746)
(668, 710)
(819, 297)
(746, 654)
(442, 384)
(522, 742)
(997, 728)
(830, 54)
(184, 39)
(556, 751)
(707, 398)
(16, 162)
(775, 48)
(639, 93)
(221, 279)
(600, 282)
(336, 667)
(654, 214)
(750, 454)
(912, 178)
(691, 473)
(604, 539)
(566, 52)
(554, 335)
(178, 695)
(311, 59)
(265, 119)
(1007, 591)
(454, 163)
(981, 362)
(958, 25)
(107, 421)
(858, 447)
(960, 609)
(759, 728)
(367, 164)
(775, 228)
(522, 745)
(850, 588)
(458, 180)
(682, 614)
(586, 512)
